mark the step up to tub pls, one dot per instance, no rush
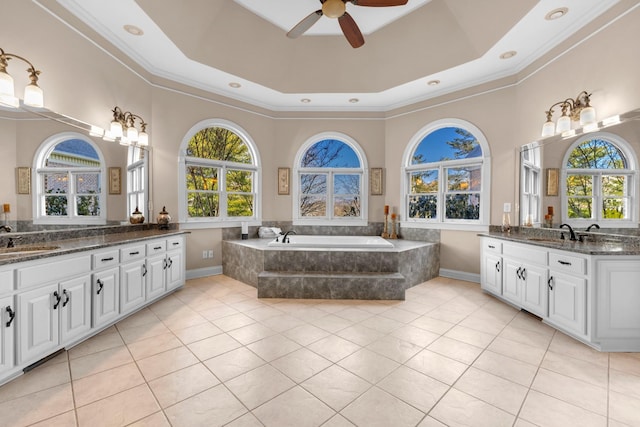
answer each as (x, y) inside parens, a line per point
(331, 285)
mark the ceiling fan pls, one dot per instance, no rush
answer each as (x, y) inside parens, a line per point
(338, 9)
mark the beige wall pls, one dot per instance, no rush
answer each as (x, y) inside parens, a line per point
(85, 81)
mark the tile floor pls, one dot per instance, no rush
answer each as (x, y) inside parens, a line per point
(213, 354)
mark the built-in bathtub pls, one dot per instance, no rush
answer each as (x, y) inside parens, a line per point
(317, 270)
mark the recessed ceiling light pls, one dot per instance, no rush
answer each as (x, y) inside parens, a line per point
(354, 100)
(556, 13)
(305, 100)
(235, 85)
(509, 54)
(132, 29)
(433, 82)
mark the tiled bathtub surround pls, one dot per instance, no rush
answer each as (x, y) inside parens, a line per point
(329, 273)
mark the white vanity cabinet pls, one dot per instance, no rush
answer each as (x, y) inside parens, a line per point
(106, 287)
(568, 291)
(156, 269)
(132, 277)
(7, 322)
(175, 262)
(525, 277)
(491, 267)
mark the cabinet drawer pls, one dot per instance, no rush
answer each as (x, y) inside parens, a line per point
(175, 243)
(492, 245)
(132, 252)
(156, 247)
(52, 272)
(567, 263)
(105, 259)
(525, 253)
(6, 281)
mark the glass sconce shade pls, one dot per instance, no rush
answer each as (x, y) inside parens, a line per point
(143, 139)
(33, 96)
(132, 134)
(6, 85)
(564, 124)
(548, 129)
(587, 116)
(116, 129)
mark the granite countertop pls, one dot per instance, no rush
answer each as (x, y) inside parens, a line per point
(52, 248)
(597, 246)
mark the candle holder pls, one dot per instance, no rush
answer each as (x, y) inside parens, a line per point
(394, 235)
(385, 232)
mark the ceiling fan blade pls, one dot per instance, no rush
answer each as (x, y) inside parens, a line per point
(379, 3)
(302, 26)
(351, 30)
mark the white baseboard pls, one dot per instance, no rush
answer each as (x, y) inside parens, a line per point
(460, 275)
(204, 272)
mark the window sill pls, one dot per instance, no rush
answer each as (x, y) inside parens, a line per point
(444, 226)
(198, 225)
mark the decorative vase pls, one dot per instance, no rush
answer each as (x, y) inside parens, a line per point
(163, 219)
(136, 217)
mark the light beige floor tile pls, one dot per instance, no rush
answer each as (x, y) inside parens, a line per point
(417, 336)
(41, 378)
(301, 364)
(540, 340)
(295, 407)
(377, 408)
(522, 423)
(120, 409)
(483, 323)
(544, 410)
(564, 344)
(446, 315)
(338, 421)
(247, 420)
(37, 406)
(360, 334)
(460, 409)
(456, 350)
(163, 363)
(263, 313)
(100, 361)
(154, 345)
(334, 348)
(233, 363)
(273, 347)
(142, 317)
(251, 333)
(400, 315)
(369, 365)
(104, 384)
(624, 383)
(470, 336)
(336, 387)
(626, 362)
(595, 374)
(437, 366)
(234, 321)
(155, 420)
(522, 352)
(331, 323)
(528, 322)
(95, 344)
(506, 367)
(431, 422)
(308, 314)
(491, 389)
(138, 333)
(179, 385)
(353, 314)
(419, 390)
(282, 322)
(576, 392)
(306, 334)
(382, 324)
(214, 407)
(197, 332)
(394, 348)
(214, 346)
(625, 409)
(181, 321)
(258, 386)
(68, 419)
(219, 312)
(433, 325)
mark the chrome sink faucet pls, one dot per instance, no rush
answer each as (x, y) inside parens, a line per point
(572, 234)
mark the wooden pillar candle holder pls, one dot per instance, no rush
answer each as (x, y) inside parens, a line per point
(394, 235)
(385, 232)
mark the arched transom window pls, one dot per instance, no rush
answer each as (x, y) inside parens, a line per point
(446, 175)
(220, 174)
(330, 182)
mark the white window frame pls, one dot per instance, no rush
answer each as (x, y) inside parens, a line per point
(362, 171)
(140, 166)
(222, 221)
(632, 184)
(484, 162)
(39, 171)
(531, 194)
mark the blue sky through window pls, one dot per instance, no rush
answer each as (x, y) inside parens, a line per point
(434, 147)
(330, 153)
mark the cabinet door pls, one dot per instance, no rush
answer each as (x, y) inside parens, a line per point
(38, 322)
(7, 322)
(567, 304)
(492, 274)
(534, 289)
(156, 267)
(618, 296)
(75, 308)
(106, 289)
(132, 286)
(511, 280)
(175, 269)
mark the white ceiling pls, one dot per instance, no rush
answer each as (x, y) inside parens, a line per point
(391, 70)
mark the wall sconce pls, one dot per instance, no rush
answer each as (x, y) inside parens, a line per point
(125, 121)
(33, 95)
(572, 109)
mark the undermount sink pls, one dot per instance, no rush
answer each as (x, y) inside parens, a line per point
(26, 250)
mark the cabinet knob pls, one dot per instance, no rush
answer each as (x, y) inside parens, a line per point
(100, 286)
(12, 315)
(57, 296)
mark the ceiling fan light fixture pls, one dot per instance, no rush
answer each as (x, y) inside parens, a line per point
(333, 8)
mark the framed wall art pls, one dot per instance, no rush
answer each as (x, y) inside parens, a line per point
(552, 181)
(23, 180)
(115, 180)
(284, 179)
(376, 182)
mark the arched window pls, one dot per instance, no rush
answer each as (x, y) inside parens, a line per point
(599, 182)
(219, 175)
(69, 181)
(446, 171)
(329, 181)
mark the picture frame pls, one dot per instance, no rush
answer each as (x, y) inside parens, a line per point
(23, 180)
(552, 181)
(376, 182)
(284, 180)
(115, 180)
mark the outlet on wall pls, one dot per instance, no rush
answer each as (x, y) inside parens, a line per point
(210, 253)
(204, 254)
